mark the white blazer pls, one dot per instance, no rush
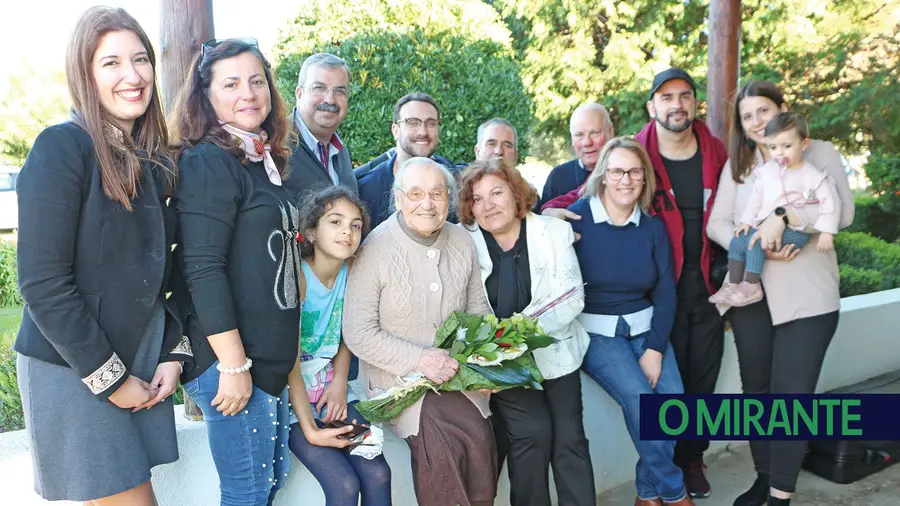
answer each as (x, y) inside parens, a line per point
(554, 270)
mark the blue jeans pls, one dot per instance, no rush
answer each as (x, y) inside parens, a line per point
(344, 477)
(613, 363)
(250, 449)
(754, 257)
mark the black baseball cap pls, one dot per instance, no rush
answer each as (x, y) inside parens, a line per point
(668, 75)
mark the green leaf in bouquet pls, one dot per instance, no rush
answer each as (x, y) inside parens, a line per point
(512, 373)
(385, 409)
(466, 379)
(484, 332)
(461, 358)
(457, 347)
(537, 341)
(506, 342)
(487, 347)
(446, 333)
(489, 355)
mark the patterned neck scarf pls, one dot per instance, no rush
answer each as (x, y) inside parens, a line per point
(256, 148)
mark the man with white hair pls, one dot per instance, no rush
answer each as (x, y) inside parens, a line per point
(323, 91)
(590, 127)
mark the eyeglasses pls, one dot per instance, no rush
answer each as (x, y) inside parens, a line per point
(212, 43)
(635, 174)
(320, 90)
(430, 123)
(418, 194)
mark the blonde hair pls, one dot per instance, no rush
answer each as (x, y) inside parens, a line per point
(595, 186)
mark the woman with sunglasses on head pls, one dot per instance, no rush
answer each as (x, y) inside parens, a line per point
(100, 345)
(238, 244)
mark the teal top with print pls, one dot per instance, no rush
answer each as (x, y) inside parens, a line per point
(320, 329)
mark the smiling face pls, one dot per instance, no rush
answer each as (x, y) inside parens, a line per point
(626, 191)
(673, 106)
(338, 232)
(787, 148)
(755, 115)
(422, 139)
(322, 100)
(589, 133)
(498, 140)
(124, 77)
(239, 92)
(493, 204)
(428, 184)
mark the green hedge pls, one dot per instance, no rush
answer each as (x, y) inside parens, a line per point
(867, 263)
(875, 217)
(9, 277)
(472, 81)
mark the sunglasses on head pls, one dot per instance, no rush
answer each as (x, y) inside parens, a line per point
(213, 43)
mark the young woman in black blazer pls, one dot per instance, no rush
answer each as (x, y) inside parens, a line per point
(100, 344)
(239, 247)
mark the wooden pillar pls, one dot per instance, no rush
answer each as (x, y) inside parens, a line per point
(184, 26)
(722, 76)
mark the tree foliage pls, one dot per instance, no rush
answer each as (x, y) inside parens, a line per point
(458, 52)
(30, 100)
(836, 60)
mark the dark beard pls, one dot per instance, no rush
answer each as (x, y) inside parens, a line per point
(665, 123)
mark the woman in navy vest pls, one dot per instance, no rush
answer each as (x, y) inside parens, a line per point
(629, 307)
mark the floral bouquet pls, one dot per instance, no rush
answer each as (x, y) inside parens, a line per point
(493, 354)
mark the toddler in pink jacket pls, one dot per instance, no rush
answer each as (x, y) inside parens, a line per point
(786, 181)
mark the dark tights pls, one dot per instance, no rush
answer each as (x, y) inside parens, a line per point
(344, 477)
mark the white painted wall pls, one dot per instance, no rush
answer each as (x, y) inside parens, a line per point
(867, 344)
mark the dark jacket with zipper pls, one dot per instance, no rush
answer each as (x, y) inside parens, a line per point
(90, 271)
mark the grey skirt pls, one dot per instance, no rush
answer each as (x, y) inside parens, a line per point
(84, 448)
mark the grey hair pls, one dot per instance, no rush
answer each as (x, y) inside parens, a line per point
(594, 107)
(497, 121)
(326, 60)
(415, 162)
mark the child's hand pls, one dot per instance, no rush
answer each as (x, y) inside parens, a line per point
(826, 242)
(335, 400)
(743, 228)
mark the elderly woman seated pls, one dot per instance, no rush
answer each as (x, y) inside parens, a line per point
(412, 272)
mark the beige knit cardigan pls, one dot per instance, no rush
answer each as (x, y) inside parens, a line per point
(398, 293)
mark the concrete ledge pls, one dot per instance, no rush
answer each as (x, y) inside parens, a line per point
(866, 345)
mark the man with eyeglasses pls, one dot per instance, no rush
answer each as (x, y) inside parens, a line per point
(687, 160)
(416, 131)
(590, 128)
(320, 158)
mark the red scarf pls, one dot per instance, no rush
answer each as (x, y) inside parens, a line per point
(714, 156)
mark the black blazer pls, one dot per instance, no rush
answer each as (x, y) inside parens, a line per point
(90, 272)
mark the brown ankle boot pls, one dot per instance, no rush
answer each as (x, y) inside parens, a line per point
(647, 502)
(684, 501)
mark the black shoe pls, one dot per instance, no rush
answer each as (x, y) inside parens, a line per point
(758, 493)
(774, 501)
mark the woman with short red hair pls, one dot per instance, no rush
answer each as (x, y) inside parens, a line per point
(527, 260)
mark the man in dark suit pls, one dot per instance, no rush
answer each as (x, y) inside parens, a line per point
(320, 158)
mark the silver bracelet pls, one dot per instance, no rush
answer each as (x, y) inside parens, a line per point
(235, 370)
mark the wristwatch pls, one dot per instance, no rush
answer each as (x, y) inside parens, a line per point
(782, 212)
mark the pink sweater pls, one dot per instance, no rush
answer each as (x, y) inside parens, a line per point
(398, 293)
(808, 285)
(796, 188)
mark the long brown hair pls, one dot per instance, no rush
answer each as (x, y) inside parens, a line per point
(193, 119)
(741, 149)
(120, 165)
